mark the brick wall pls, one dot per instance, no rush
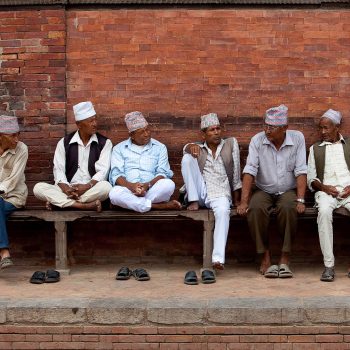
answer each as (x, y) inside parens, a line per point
(175, 337)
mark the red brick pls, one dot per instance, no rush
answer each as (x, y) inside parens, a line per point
(330, 338)
(26, 345)
(301, 338)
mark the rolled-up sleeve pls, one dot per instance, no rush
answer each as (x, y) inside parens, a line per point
(163, 166)
(252, 165)
(103, 164)
(311, 169)
(59, 164)
(117, 164)
(300, 163)
(236, 182)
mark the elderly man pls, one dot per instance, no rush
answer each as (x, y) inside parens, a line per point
(211, 172)
(140, 170)
(81, 165)
(13, 190)
(277, 162)
(328, 174)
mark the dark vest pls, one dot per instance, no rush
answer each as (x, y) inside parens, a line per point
(320, 156)
(72, 154)
(226, 155)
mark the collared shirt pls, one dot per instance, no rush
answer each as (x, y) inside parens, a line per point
(12, 178)
(139, 164)
(336, 172)
(214, 172)
(275, 171)
(82, 176)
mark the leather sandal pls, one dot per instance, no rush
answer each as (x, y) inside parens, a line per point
(123, 274)
(52, 276)
(328, 274)
(191, 278)
(38, 277)
(208, 276)
(141, 274)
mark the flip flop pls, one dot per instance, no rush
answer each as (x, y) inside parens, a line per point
(272, 272)
(285, 271)
(191, 278)
(38, 277)
(123, 274)
(6, 262)
(141, 274)
(52, 276)
(208, 276)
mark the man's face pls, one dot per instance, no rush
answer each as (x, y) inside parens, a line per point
(328, 130)
(88, 126)
(141, 137)
(274, 132)
(212, 135)
(9, 141)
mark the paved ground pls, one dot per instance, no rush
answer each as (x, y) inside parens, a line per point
(243, 281)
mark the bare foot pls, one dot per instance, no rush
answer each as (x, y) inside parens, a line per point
(167, 205)
(218, 265)
(95, 205)
(193, 206)
(48, 206)
(4, 253)
(284, 258)
(265, 262)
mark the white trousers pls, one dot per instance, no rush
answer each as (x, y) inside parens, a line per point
(54, 195)
(326, 204)
(196, 191)
(160, 192)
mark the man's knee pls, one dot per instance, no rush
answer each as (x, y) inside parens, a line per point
(167, 184)
(39, 188)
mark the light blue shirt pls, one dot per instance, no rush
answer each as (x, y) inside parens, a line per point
(138, 164)
(275, 171)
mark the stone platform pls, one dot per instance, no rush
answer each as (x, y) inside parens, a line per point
(89, 309)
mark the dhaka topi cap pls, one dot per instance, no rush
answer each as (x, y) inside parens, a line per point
(333, 115)
(83, 110)
(135, 120)
(277, 116)
(8, 124)
(209, 120)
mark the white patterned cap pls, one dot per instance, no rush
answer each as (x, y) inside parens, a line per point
(135, 120)
(209, 120)
(8, 124)
(277, 116)
(83, 110)
(333, 115)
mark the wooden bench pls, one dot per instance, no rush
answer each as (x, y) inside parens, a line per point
(61, 219)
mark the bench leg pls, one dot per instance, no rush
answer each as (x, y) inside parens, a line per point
(61, 247)
(208, 243)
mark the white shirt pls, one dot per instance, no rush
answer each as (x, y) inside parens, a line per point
(336, 172)
(82, 176)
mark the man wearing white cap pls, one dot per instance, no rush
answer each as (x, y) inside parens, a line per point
(81, 165)
(211, 172)
(277, 162)
(140, 170)
(329, 175)
(13, 190)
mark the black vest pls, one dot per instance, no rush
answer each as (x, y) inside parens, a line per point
(72, 154)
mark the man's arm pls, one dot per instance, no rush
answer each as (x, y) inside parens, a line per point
(301, 189)
(242, 209)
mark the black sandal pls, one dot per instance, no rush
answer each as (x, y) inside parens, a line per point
(208, 277)
(38, 277)
(52, 276)
(141, 275)
(191, 278)
(123, 274)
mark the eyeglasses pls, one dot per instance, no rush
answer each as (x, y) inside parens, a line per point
(272, 127)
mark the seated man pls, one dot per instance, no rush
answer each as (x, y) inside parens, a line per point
(140, 170)
(13, 190)
(81, 165)
(277, 162)
(329, 175)
(211, 172)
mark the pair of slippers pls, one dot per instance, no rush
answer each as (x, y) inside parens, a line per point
(39, 277)
(125, 273)
(207, 277)
(278, 271)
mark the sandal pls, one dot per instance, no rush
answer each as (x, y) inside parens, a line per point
(52, 276)
(38, 277)
(208, 276)
(272, 272)
(141, 275)
(191, 278)
(124, 273)
(6, 262)
(285, 271)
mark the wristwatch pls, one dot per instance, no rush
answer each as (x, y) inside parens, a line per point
(300, 200)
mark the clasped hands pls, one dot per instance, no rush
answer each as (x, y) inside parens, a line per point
(332, 191)
(74, 191)
(139, 189)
